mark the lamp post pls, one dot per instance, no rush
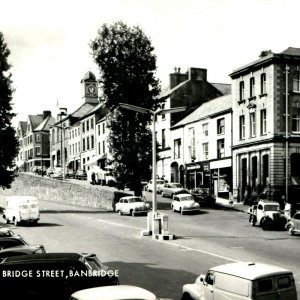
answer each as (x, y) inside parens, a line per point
(154, 114)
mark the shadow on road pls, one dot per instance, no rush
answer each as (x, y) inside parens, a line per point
(73, 211)
(140, 274)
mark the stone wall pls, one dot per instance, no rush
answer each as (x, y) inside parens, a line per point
(65, 192)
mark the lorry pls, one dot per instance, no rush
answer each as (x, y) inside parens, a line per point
(20, 209)
(267, 214)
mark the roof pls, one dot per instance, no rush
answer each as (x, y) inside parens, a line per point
(35, 120)
(207, 109)
(166, 92)
(23, 127)
(224, 88)
(89, 76)
(249, 270)
(44, 126)
(43, 256)
(114, 292)
(291, 51)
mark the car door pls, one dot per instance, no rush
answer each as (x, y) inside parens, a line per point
(125, 208)
(119, 205)
(297, 221)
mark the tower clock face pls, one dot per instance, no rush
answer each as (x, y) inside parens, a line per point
(91, 89)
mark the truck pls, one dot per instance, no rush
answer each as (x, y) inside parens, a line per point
(267, 214)
(20, 209)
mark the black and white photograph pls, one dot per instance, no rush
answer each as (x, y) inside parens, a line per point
(150, 149)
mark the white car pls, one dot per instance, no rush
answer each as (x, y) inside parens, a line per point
(132, 205)
(184, 203)
(159, 184)
(114, 292)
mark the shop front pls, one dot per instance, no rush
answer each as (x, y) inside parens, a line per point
(197, 175)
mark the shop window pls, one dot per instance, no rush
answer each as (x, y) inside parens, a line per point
(254, 170)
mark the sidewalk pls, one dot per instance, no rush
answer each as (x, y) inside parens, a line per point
(235, 205)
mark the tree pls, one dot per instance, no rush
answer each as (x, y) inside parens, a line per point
(127, 68)
(8, 141)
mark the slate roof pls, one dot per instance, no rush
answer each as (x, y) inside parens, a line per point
(23, 127)
(35, 120)
(44, 126)
(291, 51)
(166, 92)
(207, 109)
(224, 88)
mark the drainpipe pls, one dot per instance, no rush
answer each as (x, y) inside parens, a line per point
(286, 134)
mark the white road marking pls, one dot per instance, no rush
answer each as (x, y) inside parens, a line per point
(171, 243)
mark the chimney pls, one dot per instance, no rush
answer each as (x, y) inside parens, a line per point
(46, 114)
(177, 77)
(265, 53)
(198, 74)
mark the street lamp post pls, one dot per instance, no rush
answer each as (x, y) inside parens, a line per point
(154, 169)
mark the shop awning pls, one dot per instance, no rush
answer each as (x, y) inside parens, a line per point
(94, 159)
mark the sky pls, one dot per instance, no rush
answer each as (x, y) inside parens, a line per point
(50, 53)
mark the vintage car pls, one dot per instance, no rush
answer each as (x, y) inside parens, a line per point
(242, 280)
(81, 175)
(171, 189)
(159, 184)
(203, 196)
(113, 293)
(293, 225)
(267, 214)
(184, 203)
(131, 205)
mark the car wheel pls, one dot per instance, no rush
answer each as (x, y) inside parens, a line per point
(186, 296)
(290, 230)
(120, 213)
(133, 213)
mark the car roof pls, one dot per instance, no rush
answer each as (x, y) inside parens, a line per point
(269, 202)
(130, 197)
(25, 248)
(114, 292)
(250, 270)
(183, 195)
(44, 256)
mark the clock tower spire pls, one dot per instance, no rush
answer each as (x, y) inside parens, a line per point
(89, 88)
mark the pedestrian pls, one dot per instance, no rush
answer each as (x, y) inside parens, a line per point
(93, 178)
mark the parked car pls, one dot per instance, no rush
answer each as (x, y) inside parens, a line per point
(293, 225)
(50, 171)
(53, 275)
(267, 214)
(81, 175)
(171, 189)
(242, 280)
(71, 174)
(159, 183)
(12, 241)
(185, 203)
(21, 250)
(5, 232)
(203, 196)
(114, 293)
(132, 205)
(57, 173)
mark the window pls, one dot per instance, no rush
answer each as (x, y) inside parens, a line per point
(163, 116)
(263, 122)
(191, 146)
(37, 150)
(221, 126)
(99, 130)
(83, 127)
(92, 142)
(252, 87)
(205, 129)
(296, 82)
(92, 123)
(263, 87)
(205, 150)
(83, 144)
(242, 127)
(87, 125)
(177, 145)
(103, 146)
(265, 285)
(296, 118)
(99, 148)
(88, 143)
(163, 138)
(103, 128)
(220, 148)
(37, 138)
(284, 282)
(242, 90)
(252, 124)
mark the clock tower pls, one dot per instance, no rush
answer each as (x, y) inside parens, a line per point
(89, 88)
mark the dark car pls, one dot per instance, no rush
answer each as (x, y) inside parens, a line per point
(203, 196)
(21, 250)
(81, 175)
(11, 241)
(71, 174)
(52, 275)
(5, 232)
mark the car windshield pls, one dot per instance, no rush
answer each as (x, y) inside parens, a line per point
(176, 185)
(94, 263)
(137, 199)
(186, 198)
(271, 207)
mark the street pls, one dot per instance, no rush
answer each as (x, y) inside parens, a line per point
(213, 237)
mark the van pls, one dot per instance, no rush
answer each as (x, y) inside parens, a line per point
(49, 276)
(243, 280)
(21, 209)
